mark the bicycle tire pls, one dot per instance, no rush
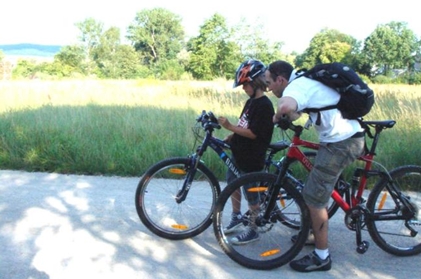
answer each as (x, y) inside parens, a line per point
(298, 171)
(275, 247)
(391, 235)
(158, 209)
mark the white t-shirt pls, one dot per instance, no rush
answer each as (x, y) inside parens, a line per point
(312, 94)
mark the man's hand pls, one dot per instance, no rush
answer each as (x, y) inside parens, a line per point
(286, 106)
(284, 122)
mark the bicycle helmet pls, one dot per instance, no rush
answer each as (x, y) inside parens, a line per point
(248, 71)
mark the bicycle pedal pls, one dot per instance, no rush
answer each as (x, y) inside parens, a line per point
(363, 247)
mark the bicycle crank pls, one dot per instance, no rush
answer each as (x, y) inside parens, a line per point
(354, 220)
(353, 216)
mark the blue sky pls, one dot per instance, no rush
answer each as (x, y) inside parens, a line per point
(292, 22)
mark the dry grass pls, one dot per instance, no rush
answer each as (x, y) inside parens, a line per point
(143, 121)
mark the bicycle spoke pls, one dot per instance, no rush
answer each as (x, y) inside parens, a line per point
(160, 207)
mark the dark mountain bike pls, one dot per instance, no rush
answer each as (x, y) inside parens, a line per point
(175, 197)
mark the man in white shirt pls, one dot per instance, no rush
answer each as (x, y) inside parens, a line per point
(341, 142)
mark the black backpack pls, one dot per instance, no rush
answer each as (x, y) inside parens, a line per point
(356, 97)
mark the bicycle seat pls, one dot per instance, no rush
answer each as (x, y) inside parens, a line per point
(382, 123)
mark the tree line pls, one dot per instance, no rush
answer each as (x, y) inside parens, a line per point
(156, 47)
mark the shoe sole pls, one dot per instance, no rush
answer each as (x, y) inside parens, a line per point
(244, 242)
(327, 266)
(233, 229)
(323, 268)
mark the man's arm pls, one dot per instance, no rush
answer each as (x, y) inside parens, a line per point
(286, 106)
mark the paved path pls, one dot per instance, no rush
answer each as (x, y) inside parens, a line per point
(69, 226)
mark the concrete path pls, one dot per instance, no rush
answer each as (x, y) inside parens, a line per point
(71, 226)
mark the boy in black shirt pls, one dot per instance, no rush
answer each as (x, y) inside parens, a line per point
(249, 141)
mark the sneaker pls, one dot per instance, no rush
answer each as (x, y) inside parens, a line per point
(310, 239)
(235, 223)
(310, 263)
(247, 236)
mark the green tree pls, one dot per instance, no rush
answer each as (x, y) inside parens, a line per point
(24, 69)
(328, 46)
(212, 53)
(105, 54)
(391, 46)
(123, 63)
(249, 37)
(157, 35)
(71, 58)
(90, 36)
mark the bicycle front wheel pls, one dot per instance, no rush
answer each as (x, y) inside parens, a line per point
(395, 206)
(273, 246)
(162, 213)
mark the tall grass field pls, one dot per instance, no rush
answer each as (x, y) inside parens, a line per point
(123, 127)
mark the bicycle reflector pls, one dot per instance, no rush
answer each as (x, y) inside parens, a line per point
(177, 171)
(179, 227)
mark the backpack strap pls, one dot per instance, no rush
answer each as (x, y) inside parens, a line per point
(317, 110)
(304, 73)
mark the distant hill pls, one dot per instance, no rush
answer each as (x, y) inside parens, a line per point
(30, 50)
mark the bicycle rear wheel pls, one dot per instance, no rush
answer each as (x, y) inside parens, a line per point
(274, 248)
(156, 203)
(394, 227)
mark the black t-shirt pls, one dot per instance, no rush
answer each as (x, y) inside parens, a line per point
(257, 116)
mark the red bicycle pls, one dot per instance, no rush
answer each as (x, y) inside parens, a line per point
(390, 213)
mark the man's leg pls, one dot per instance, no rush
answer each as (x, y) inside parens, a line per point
(320, 222)
(319, 259)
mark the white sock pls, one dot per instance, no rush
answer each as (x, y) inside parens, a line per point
(323, 254)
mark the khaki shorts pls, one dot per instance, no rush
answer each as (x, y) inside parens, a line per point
(331, 160)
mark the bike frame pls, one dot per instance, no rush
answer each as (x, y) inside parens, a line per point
(218, 146)
(352, 202)
(295, 153)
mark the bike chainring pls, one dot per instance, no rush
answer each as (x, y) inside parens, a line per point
(355, 215)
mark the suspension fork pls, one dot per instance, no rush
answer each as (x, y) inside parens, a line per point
(273, 190)
(191, 169)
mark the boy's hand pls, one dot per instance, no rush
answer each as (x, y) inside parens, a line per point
(224, 122)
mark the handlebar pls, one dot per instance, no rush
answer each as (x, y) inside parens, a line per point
(285, 124)
(208, 120)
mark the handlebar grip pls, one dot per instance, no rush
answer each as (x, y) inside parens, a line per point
(212, 117)
(284, 123)
(200, 117)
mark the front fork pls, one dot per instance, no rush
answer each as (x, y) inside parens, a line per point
(275, 188)
(191, 168)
